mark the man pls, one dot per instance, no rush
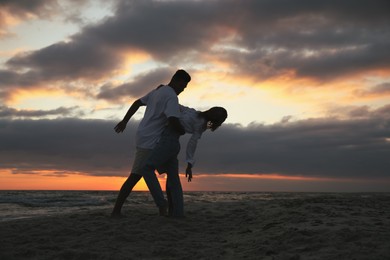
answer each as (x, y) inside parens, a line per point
(162, 107)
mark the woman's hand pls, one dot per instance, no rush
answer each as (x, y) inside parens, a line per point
(189, 172)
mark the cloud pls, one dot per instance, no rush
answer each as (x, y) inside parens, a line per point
(324, 147)
(75, 145)
(359, 112)
(43, 9)
(8, 112)
(141, 85)
(13, 12)
(260, 39)
(11, 79)
(67, 60)
(316, 147)
(344, 62)
(376, 91)
(27, 8)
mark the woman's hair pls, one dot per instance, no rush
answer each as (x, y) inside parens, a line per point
(216, 116)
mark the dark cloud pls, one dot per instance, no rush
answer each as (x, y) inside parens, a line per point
(8, 112)
(141, 85)
(322, 40)
(359, 112)
(383, 88)
(68, 61)
(24, 8)
(362, 111)
(328, 147)
(344, 62)
(377, 90)
(323, 148)
(13, 80)
(65, 145)
(161, 28)
(319, 40)
(42, 9)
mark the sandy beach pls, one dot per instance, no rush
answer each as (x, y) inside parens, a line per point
(246, 226)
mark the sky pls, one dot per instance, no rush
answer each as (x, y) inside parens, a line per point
(306, 85)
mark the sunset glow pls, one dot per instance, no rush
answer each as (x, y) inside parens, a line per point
(52, 180)
(49, 180)
(306, 87)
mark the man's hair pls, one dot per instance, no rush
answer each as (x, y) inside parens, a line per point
(181, 75)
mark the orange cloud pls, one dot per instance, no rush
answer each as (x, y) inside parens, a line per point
(8, 19)
(135, 56)
(19, 95)
(10, 53)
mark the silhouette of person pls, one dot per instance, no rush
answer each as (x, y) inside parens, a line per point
(164, 155)
(162, 107)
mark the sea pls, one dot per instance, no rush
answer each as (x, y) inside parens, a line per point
(30, 204)
(33, 203)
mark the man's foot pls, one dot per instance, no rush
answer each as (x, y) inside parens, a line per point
(163, 211)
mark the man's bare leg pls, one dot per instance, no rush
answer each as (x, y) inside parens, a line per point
(124, 192)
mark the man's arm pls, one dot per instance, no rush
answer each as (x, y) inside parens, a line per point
(120, 127)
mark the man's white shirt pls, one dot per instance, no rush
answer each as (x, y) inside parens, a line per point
(161, 103)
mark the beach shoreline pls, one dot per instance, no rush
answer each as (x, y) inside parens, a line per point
(246, 226)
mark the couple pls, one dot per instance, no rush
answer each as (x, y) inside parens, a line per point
(157, 143)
